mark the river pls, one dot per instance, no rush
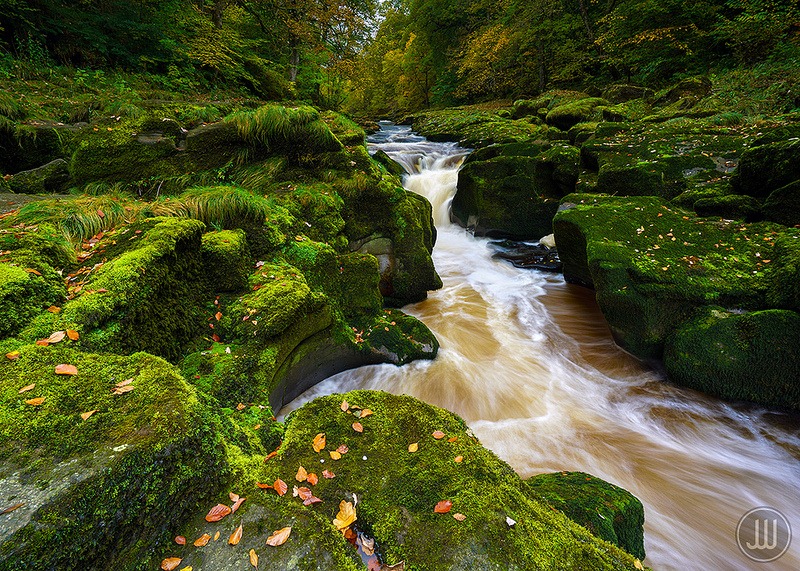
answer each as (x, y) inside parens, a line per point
(528, 361)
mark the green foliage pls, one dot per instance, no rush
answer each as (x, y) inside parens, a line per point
(81, 218)
(220, 206)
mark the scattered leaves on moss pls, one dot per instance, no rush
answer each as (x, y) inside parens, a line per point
(279, 537)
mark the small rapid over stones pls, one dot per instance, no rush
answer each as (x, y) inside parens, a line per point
(528, 361)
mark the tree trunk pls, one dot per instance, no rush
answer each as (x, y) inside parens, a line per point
(294, 62)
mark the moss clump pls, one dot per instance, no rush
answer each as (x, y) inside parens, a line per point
(730, 207)
(637, 180)
(100, 492)
(783, 205)
(608, 511)
(227, 260)
(23, 295)
(147, 298)
(751, 356)
(397, 491)
(50, 178)
(474, 127)
(567, 115)
(765, 168)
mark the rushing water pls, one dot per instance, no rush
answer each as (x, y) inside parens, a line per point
(528, 362)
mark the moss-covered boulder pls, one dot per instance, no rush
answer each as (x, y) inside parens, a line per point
(620, 93)
(475, 127)
(391, 165)
(24, 295)
(569, 114)
(765, 168)
(513, 190)
(783, 205)
(395, 488)
(730, 207)
(743, 356)
(99, 464)
(608, 511)
(226, 258)
(146, 299)
(50, 178)
(635, 180)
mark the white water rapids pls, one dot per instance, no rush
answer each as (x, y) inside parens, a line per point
(528, 362)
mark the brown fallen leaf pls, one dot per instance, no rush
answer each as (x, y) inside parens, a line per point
(202, 541)
(253, 558)
(218, 512)
(271, 455)
(367, 545)
(357, 427)
(216, 338)
(280, 486)
(279, 537)
(413, 447)
(170, 563)
(319, 442)
(346, 515)
(365, 413)
(241, 406)
(73, 335)
(87, 414)
(35, 402)
(124, 383)
(180, 540)
(438, 434)
(122, 390)
(64, 369)
(335, 455)
(343, 449)
(54, 309)
(218, 315)
(12, 355)
(43, 343)
(396, 567)
(459, 517)
(237, 504)
(452, 439)
(216, 536)
(263, 486)
(459, 459)
(301, 475)
(34, 272)
(302, 491)
(328, 474)
(27, 388)
(10, 509)
(57, 337)
(236, 536)
(233, 496)
(345, 406)
(443, 507)
(312, 479)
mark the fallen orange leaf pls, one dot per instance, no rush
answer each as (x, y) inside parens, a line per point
(335, 455)
(303, 492)
(216, 536)
(438, 434)
(459, 459)
(280, 486)
(170, 563)
(365, 413)
(236, 504)
(65, 369)
(236, 536)
(85, 415)
(452, 439)
(443, 507)
(344, 406)
(122, 390)
(216, 338)
(253, 558)
(13, 355)
(459, 517)
(27, 388)
(10, 509)
(73, 335)
(263, 486)
(413, 447)
(357, 427)
(218, 512)
(34, 272)
(343, 449)
(202, 541)
(180, 540)
(54, 309)
(312, 479)
(218, 315)
(301, 475)
(319, 442)
(35, 402)
(271, 455)
(346, 515)
(279, 537)
(233, 496)
(57, 337)
(43, 343)
(328, 474)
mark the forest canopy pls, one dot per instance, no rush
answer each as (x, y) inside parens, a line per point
(382, 57)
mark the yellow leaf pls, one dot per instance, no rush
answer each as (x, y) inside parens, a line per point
(319, 442)
(35, 402)
(13, 355)
(279, 537)
(638, 564)
(459, 459)
(253, 558)
(236, 536)
(346, 515)
(202, 541)
(335, 455)
(413, 447)
(73, 335)
(85, 415)
(301, 475)
(216, 536)
(365, 413)
(27, 388)
(170, 563)
(358, 427)
(344, 406)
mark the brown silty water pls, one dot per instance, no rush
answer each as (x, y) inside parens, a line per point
(528, 361)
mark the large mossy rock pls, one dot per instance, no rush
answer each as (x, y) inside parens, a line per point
(103, 491)
(227, 260)
(783, 205)
(570, 114)
(608, 511)
(513, 190)
(23, 296)
(652, 264)
(730, 207)
(765, 168)
(473, 127)
(50, 178)
(395, 491)
(751, 356)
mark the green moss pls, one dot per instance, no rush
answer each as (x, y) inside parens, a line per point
(730, 207)
(475, 127)
(345, 129)
(226, 259)
(608, 511)
(783, 205)
(768, 167)
(397, 491)
(50, 178)
(23, 295)
(146, 299)
(100, 492)
(752, 356)
(566, 115)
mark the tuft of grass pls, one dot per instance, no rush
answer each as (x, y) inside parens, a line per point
(219, 206)
(81, 218)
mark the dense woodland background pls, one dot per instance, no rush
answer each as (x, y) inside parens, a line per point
(381, 58)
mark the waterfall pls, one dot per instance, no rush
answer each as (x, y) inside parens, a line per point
(528, 361)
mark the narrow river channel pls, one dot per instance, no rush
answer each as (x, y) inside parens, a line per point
(529, 363)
